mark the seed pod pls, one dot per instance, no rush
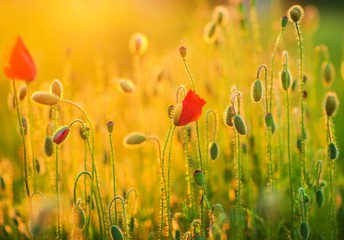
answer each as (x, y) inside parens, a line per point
(332, 151)
(269, 122)
(296, 13)
(256, 90)
(131, 224)
(56, 88)
(182, 51)
(319, 197)
(127, 85)
(25, 126)
(38, 166)
(48, 146)
(22, 92)
(138, 44)
(199, 177)
(328, 73)
(110, 125)
(240, 125)
(116, 233)
(214, 151)
(84, 132)
(284, 21)
(135, 139)
(61, 134)
(285, 79)
(79, 218)
(331, 103)
(45, 98)
(304, 230)
(228, 116)
(2, 183)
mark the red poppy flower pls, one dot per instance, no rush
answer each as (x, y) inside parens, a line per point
(17, 61)
(191, 109)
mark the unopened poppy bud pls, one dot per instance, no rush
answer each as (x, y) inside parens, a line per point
(240, 125)
(296, 13)
(328, 73)
(256, 91)
(138, 44)
(110, 125)
(229, 115)
(332, 151)
(45, 98)
(331, 103)
(182, 51)
(127, 85)
(134, 139)
(284, 21)
(84, 132)
(79, 218)
(319, 197)
(61, 134)
(116, 233)
(199, 177)
(48, 146)
(269, 122)
(214, 151)
(22, 92)
(285, 79)
(56, 88)
(304, 230)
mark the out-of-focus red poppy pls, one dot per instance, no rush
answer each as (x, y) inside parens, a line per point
(17, 61)
(191, 109)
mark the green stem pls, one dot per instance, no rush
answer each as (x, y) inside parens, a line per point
(31, 139)
(113, 165)
(239, 210)
(22, 134)
(303, 147)
(94, 170)
(168, 185)
(124, 214)
(58, 230)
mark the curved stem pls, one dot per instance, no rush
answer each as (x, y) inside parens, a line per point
(124, 214)
(266, 84)
(76, 183)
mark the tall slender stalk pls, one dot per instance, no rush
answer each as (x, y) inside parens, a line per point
(22, 134)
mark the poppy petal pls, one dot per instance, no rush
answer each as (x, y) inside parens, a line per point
(192, 108)
(17, 61)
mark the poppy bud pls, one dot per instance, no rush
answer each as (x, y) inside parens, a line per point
(61, 134)
(199, 177)
(116, 233)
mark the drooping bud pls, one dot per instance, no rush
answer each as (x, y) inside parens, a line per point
(304, 230)
(45, 98)
(331, 103)
(25, 126)
(48, 146)
(56, 88)
(319, 197)
(328, 73)
(332, 151)
(214, 151)
(256, 91)
(269, 122)
(61, 134)
(229, 115)
(116, 233)
(84, 132)
(22, 92)
(285, 79)
(127, 85)
(240, 125)
(134, 139)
